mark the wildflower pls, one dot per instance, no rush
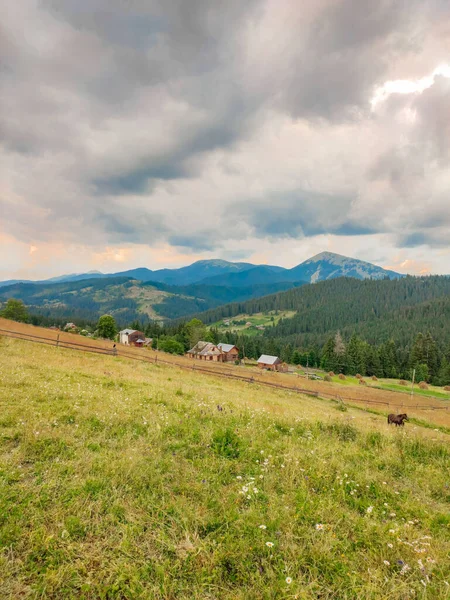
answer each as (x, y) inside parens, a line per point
(392, 531)
(255, 490)
(239, 477)
(288, 580)
(390, 545)
(404, 569)
(430, 560)
(369, 509)
(387, 563)
(262, 527)
(423, 583)
(249, 497)
(269, 544)
(392, 515)
(319, 526)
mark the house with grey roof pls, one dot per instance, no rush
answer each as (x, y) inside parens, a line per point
(272, 363)
(229, 351)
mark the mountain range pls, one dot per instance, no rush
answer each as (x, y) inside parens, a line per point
(323, 266)
(175, 293)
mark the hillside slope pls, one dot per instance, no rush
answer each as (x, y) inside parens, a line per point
(136, 476)
(127, 299)
(378, 310)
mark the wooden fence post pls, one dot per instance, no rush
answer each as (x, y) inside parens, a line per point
(57, 340)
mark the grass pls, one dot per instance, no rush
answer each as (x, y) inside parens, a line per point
(393, 385)
(122, 480)
(266, 319)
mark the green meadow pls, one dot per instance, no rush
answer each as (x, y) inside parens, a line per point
(127, 480)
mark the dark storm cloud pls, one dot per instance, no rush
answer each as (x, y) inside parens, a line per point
(198, 242)
(300, 214)
(345, 53)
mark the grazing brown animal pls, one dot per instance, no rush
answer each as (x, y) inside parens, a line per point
(399, 420)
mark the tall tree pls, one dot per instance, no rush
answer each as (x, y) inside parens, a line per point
(15, 310)
(107, 327)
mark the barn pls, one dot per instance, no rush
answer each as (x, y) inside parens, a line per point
(272, 363)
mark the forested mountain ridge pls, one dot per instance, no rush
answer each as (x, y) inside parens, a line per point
(378, 309)
(127, 299)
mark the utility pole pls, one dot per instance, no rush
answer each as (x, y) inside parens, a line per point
(412, 385)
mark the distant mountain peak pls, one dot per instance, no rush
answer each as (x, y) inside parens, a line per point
(332, 257)
(330, 265)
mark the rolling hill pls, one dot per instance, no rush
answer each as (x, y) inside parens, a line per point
(128, 299)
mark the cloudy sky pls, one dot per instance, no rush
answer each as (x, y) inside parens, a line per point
(148, 133)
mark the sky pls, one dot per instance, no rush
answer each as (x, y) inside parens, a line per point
(147, 133)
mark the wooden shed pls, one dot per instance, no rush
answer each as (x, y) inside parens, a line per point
(272, 363)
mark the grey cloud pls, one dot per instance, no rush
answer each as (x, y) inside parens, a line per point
(108, 100)
(300, 214)
(344, 54)
(199, 242)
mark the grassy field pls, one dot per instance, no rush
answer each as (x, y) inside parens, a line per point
(248, 323)
(130, 480)
(394, 386)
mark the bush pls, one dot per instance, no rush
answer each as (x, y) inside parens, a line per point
(171, 345)
(226, 443)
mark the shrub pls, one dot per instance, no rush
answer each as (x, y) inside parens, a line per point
(226, 443)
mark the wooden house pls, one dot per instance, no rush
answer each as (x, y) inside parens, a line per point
(229, 352)
(272, 363)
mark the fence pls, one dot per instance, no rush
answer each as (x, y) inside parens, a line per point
(122, 352)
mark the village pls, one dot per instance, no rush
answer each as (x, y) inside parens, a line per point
(206, 351)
